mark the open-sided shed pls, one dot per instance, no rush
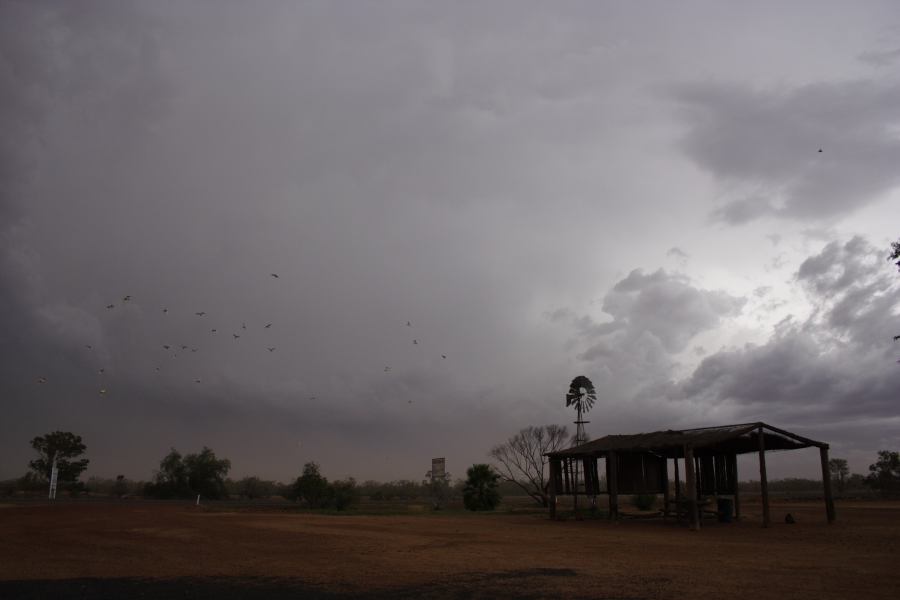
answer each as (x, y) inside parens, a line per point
(638, 463)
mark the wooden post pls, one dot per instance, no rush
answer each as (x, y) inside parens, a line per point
(826, 482)
(554, 477)
(677, 492)
(690, 486)
(737, 490)
(698, 476)
(763, 481)
(613, 483)
(665, 484)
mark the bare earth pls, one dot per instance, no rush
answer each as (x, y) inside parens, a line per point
(160, 551)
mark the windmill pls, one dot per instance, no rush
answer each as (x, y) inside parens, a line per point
(582, 396)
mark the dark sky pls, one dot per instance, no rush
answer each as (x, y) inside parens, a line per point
(691, 206)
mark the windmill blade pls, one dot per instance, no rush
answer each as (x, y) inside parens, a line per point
(581, 393)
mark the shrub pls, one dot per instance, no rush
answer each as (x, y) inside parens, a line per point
(644, 501)
(480, 491)
(312, 488)
(344, 494)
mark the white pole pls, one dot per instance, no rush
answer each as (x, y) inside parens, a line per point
(198, 500)
(54, 475)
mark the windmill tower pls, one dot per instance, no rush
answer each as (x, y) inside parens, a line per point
(582, 396)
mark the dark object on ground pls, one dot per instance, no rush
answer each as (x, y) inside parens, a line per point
(725, 510)
(789, 519)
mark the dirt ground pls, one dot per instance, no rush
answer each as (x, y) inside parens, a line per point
(142, 550)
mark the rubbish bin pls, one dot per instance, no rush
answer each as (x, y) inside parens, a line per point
(725, 508)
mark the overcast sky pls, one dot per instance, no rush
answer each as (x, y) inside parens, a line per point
(691, 205)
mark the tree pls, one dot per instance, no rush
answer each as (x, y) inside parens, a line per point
(312, 488)
(480, 491)
(171, 480)
(839, 472)
(182, 477)
(253, 487)
(62, 445)
(344, 493)
(884, 475)
(206, 473)
(521, 458)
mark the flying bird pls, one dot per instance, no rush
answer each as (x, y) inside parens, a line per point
(41, 380)
(193, 349)
(165, 311)
(275, 275)
(110, 306)
(243, 326)
(272, 349)
(387, 369)
(183, 347)
(416, 342)
(200, 314)
(100, 371)
(157, 369)
(268, 325)
(196, 381)
(88, 346)
(212, 330)
(408, 324)
(166, 346)
(820, 149)
(103, 391)
(443, 356)
(126, 298)
(235, 336)
(896, 337)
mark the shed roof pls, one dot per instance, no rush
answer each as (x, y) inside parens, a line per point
(738, 439)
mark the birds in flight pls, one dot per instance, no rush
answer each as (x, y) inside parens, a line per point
(183, 347)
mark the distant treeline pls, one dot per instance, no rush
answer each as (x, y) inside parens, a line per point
(256, 488)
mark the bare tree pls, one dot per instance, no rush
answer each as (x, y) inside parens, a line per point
(839, 472)
(521, 458)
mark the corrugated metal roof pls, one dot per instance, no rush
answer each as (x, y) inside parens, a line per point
(739, 439)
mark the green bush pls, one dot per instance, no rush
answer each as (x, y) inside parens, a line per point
(344, 494)
(644, 501)
(480, 491)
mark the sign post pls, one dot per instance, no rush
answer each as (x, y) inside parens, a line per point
(439, 483)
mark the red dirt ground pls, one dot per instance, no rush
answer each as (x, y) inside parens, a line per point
(459, 555)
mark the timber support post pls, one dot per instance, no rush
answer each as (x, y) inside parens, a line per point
(737, 490)
(826, 483)
(690, 486)
(665, 484)
(613, 484)
(554, 478)
(677, 492)
(763, 481)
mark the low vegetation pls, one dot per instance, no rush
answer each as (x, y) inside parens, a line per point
(205, 474)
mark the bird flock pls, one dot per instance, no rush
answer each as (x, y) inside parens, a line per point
(175, 349)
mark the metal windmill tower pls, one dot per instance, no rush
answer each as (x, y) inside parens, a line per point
(581, 395)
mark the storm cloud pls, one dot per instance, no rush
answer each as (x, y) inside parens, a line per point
(813, 152)
(369, 235)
